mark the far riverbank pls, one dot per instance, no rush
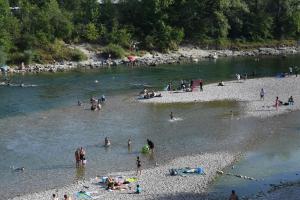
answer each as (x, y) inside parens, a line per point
(183, 55)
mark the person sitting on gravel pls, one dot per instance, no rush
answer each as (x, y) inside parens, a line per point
(221, 83)
(291, 100)
(138, 189)
(67, 198)
(54, 197)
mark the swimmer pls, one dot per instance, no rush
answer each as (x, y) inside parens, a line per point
(20, 169)
(171, 116)
(103, 98)
(231, 113)
(129, 143)
(79, 103)
(106, 142)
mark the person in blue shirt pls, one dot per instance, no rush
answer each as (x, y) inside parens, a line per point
(138, 189)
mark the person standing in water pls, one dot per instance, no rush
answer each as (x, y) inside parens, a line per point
(171, 116)
(151, 145)
(139, 166)
(233, 196)
(77, 157)
(129, 145)
(106, 142)
(82, 155)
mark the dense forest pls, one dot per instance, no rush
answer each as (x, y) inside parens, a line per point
(37, 30)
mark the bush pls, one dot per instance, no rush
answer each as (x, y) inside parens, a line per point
(28, 56)
(114, 50)
(60, 52)
(76, 55)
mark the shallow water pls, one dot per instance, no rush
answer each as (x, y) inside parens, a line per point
(275, 161)
(41, 126)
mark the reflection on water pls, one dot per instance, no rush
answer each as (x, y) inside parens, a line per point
(80, 174)
(42, 126)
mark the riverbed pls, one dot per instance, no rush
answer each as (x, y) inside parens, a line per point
(42, 126)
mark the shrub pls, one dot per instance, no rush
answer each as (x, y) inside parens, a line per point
(76, 55)
(114, 50)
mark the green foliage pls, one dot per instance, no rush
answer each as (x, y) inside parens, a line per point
(3, 56)
(114, 50)
(167, 38)
(156, 24)
(120, 37)
(91, 32)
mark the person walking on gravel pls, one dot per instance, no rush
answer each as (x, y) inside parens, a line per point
(262, 94)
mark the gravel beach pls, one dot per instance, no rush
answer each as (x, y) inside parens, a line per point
(156, 183)
(243, 91)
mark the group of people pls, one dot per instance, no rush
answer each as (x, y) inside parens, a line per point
(238, 76)
(66, 197)
(80, 157)
(278, 103)
(138, 161)
(292, 70)
(119, 184)
(149, 94)
(96, 103)
(186, 86)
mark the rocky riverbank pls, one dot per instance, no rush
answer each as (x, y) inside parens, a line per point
(183, 55)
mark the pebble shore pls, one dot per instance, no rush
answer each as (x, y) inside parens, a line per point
(183, 55)
(247, 91)
(156, 183)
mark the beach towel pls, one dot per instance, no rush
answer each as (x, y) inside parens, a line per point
(131, 180)
(82, 195)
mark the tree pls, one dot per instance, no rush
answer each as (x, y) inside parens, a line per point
(9, 28)
(91, 33)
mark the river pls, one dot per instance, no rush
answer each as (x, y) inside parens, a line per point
(41, 127)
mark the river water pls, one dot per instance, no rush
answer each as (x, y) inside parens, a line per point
(41, 127)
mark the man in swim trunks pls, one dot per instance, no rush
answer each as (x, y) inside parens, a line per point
(82, 155)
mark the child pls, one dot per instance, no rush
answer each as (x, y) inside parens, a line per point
(138, 189)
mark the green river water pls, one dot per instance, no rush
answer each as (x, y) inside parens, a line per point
(41, 127)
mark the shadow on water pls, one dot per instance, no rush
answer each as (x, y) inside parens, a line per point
(79, 173)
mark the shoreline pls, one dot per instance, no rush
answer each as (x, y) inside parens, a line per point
(156, 183)
(246, 91)
(183, 55)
